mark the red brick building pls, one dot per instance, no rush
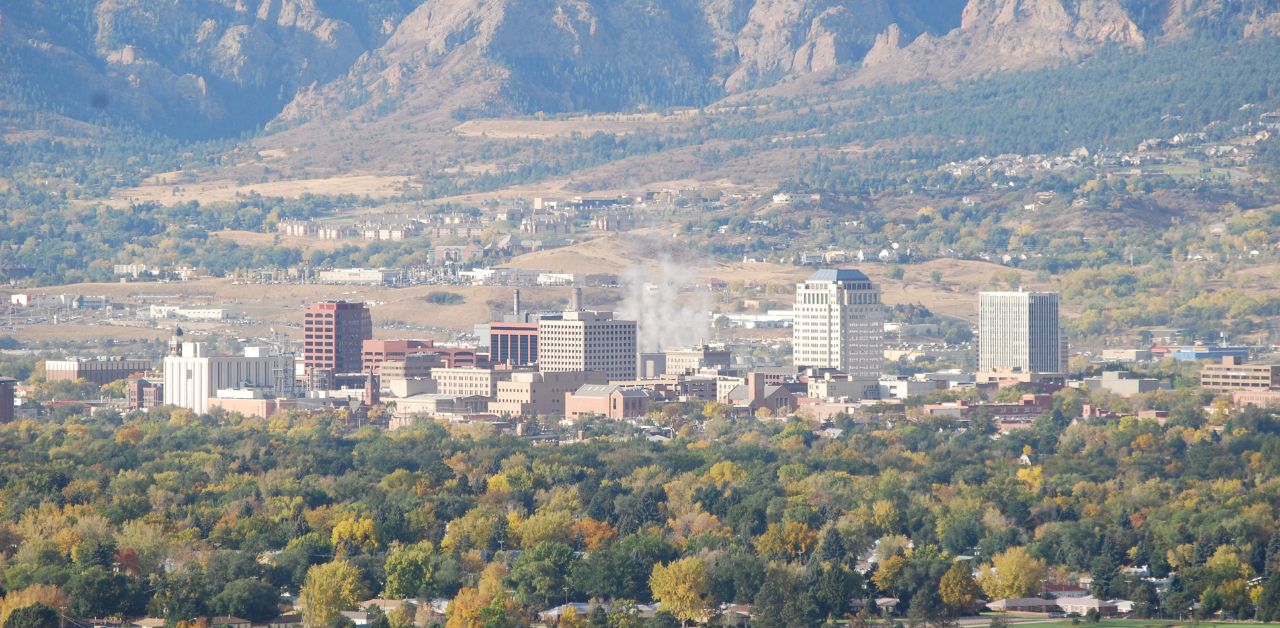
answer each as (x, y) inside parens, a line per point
(513, 344)
(333, 336)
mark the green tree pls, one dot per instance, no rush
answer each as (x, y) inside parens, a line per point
(1269, 600)
(328, 590)
(251, 599)
(958, 589)
(411, 570)
(540, 575)
(35, 616)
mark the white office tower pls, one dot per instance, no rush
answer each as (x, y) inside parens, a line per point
(1019, 331)
(584, 340)
(191, 377)
(839, 323)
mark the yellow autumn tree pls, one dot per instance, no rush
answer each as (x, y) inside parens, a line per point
(681, 587)
(353, 534)
(1012, 573)
(328, 590)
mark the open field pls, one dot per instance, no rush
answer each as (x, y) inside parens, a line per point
(172, 188)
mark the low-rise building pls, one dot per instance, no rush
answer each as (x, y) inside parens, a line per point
(1233, 374)
(98, 371)
(605, 400)
(1123, 383)
(436, 404)
(1255, 398)
(681, 361)
(1027, 408)
(539, 394)
(468, 381)
(359, 276)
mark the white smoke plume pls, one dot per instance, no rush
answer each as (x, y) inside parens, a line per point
(668, 304)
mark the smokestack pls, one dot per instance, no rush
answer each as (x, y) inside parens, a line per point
(516, 305)
(575, 300)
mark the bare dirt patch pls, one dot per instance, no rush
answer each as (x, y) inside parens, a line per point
(169, 189)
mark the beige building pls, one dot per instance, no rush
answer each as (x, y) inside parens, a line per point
(1020, 332)
(539, 394)
(465, 381)
(440, 405)
(839, 323)
(689, 360)
(414, 365)
(1233, 374)
(588, 341)
(101, 371)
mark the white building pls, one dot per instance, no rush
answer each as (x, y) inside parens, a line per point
(191, 377)
(839, 323)
(588, 341)
(1019, 331)
(359, 276)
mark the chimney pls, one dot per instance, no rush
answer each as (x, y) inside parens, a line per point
(575, 300)
(516, 305)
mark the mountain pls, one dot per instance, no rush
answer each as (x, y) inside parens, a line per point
(196, 68)
(221, 67)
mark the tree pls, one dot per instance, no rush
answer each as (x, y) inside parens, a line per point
(411, 570)
(958, 589)
(681, 587)
(251, 599)
(1269, 599)
(785, 600)
(34, 616)
(328, 590)
(1012, 573)
(96, 592)
(540, 575)
(46, 594)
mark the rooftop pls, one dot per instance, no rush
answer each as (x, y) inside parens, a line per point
(838, 274)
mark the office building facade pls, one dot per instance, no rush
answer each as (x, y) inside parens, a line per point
(839, 323)
(333, 336)
(588, 341)
(1020, 331)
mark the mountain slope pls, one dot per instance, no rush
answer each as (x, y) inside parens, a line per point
(222, 67)
(200, 68)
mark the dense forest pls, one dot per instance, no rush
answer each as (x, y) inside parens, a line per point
(179, 515)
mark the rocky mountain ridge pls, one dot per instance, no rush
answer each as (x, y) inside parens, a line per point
(220, 67)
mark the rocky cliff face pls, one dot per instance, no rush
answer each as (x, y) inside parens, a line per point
(202, 67)
(208, 67)
(999, 35)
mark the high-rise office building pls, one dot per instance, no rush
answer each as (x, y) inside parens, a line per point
(588, 341)
(333, 336)
(1019, 331)
(7, 385)
(839, 323)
